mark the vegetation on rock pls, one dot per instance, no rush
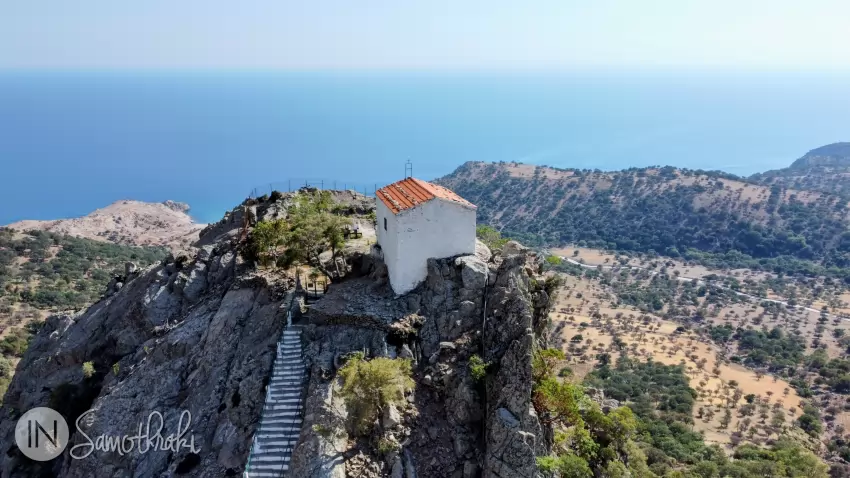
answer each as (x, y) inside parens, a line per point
(370, 386)
(309, 229)
(663, 404)
(48, 270)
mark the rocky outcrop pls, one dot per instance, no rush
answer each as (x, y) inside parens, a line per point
(454, 425)
(195, 333)
(134, 223)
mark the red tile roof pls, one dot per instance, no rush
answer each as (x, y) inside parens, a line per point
(410, 192)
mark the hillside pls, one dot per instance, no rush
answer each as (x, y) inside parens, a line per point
(134, 223)
(708, 216)
(825, 169)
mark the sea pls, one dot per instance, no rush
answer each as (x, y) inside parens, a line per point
(73, 141)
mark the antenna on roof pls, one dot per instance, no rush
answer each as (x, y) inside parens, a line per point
(408, 166)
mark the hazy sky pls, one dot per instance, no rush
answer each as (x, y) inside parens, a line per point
(432, 34)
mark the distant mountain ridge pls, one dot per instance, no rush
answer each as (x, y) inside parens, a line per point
(696, 214)
(128, 222)
(825, 169)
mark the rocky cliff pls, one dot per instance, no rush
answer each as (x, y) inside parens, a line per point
(195, 333)
(455, 425)
(198, 333)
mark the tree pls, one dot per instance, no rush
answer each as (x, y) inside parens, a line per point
(490, 236)
(544, 362)
(369, 386)
(557, 402)
(313, 229)
(568, 465)
(5, 368)
(810, 421)
(266, 238)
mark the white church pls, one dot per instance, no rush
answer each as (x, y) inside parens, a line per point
(418, 220)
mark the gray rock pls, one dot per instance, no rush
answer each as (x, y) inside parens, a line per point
(467, 308)
(474, 273)
(513, 248)
(413, 302)
(206, 252)
(110, 287)
(460, 446)
(609, 404)
(508, 418)
(391, 418)
(196, 282)
(470, 469)
(409, 465)
(130, 268)
(398, 469)
(482, 251)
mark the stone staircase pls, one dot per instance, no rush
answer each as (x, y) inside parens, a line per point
(280, 424)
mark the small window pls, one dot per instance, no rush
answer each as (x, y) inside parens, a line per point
(385, 224)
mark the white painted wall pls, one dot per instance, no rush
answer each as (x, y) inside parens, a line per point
(387, 239)
(437, 229)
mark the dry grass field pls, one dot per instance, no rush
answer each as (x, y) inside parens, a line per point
(587, 322)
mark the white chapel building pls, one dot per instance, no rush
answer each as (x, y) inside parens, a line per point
(418, 220)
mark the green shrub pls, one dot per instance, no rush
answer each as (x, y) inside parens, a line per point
(15, 343)
(370, 386)
(88, 369)
(477, 368)
(490, 236)
(386, 446)
(5, 368)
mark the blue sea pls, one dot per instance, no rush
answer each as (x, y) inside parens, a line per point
(73, 142)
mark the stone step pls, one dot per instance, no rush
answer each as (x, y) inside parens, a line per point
(283, 421)
(286, 354)
(282, 459)
(276, 397)
(282, 437)
(281, 440)
(282, 392)
(289, 362)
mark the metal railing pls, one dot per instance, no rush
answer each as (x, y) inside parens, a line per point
(294, 184)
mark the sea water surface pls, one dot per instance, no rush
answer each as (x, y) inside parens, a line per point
(71, 142)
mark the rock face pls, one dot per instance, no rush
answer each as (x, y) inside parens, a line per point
(196, 333)
(453, 426)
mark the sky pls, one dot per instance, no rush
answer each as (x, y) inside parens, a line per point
(424, 35)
